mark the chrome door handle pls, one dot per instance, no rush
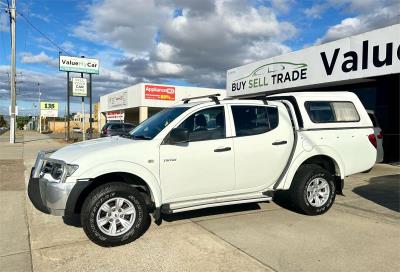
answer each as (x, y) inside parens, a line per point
(279, 143)
(224, 149)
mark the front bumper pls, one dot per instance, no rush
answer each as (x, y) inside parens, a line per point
(49, 197)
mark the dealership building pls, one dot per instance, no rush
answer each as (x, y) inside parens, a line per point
(367, 64)
(138, 102)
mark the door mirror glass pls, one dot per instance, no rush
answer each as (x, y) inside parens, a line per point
(178, 136)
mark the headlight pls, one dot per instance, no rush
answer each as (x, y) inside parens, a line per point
(56, 170)
(71, 168)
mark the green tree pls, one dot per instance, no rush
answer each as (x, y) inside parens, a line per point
(3, 122)
(22, 121)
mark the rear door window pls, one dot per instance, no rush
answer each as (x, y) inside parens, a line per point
(253, 120)
(331, 112)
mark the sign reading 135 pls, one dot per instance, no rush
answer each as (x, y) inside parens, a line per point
(48, 105)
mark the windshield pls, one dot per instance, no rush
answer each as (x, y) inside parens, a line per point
(149, 129)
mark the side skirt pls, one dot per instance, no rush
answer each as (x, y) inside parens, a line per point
(166, 209)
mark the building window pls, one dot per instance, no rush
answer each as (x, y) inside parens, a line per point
(330, 112)
(253, 120)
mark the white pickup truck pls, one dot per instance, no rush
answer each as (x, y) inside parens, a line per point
(201, 154)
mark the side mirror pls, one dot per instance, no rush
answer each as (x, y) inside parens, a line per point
(179, 136)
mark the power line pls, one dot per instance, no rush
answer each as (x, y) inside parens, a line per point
(44, 35)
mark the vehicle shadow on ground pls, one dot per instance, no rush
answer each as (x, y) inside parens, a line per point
(383, 190)
(73, 220)
(282, 199)
(212, 211)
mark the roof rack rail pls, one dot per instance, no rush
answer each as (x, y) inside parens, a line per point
(263, 99)
(213, 97)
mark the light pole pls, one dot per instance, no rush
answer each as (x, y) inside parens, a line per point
(39, 107)
(13, 72)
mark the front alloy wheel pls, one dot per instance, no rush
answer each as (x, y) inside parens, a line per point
(114, 214)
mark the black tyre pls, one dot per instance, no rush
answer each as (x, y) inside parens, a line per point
(114, 214)
(312, 190)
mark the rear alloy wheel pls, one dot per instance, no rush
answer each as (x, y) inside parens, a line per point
(318, 192)
(114, 214)
(313, 190)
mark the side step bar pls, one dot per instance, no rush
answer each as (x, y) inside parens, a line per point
(165, 209)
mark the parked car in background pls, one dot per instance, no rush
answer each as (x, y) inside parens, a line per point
(378, 136)
(115, 129)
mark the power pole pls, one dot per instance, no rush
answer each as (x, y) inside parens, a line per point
(39, 110)
(13, 73)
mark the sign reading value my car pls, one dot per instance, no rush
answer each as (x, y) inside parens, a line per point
(366, 55)
(78, 65)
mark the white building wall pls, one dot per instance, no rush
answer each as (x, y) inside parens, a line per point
(134, 97)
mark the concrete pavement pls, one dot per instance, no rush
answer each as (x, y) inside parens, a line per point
(360, 233)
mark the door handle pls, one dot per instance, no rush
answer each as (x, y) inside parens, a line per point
(279, 143)
(223, 149)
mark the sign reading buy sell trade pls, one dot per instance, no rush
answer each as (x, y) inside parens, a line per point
(366, 55)
(156, 92)
(78, 65)
(49, 109)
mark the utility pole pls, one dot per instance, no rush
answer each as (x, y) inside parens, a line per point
(39, 109)
(13, 73)
(83, 112)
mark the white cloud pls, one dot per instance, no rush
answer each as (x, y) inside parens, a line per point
(372, 15)
(40, 16)
(41, 58)
(282, 5)
(130, 24)
(199, 46)
(315, 11)
(4, 19)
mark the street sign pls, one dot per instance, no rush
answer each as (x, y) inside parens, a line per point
(48, 109)
(79, 86)
(78, 65)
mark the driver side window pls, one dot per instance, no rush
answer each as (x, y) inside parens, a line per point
(207, 124)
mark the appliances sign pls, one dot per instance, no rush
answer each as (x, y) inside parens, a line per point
(78, 65)
(159, 92)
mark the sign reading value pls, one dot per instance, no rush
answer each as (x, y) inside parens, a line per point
(155, 92)
(367, 55)
(79, 86)
(78, 65)
(49, 109)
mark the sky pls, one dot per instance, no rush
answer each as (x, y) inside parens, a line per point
(180, 42)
